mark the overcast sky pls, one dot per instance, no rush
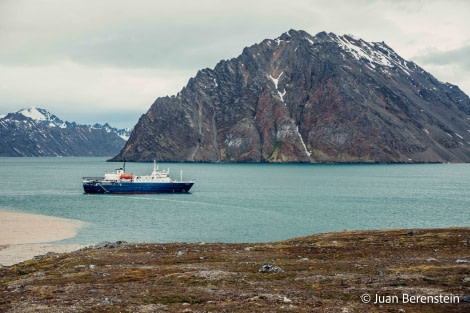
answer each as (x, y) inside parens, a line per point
(108, 60)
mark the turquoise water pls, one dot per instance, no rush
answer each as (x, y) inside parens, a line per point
(241, 202)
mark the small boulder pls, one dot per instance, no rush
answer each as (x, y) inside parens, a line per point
(267, 267)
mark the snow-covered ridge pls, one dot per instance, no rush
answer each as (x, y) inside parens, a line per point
(123, 133)
(375, 53)
(39, 115)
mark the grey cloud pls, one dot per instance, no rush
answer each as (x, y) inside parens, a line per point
(159, 43)
(457, 56)
(122, 53)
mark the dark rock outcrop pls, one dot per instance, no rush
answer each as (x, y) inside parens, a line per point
(303, 98)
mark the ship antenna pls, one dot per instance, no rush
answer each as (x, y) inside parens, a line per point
(124, 166)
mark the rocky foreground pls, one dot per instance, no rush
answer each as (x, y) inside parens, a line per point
(425, 270)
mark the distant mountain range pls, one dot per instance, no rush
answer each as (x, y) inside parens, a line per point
(304, 98)
(37, 132)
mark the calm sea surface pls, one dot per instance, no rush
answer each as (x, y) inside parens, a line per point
(241, 202)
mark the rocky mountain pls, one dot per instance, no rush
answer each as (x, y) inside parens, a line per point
(36, 132)
(303, 98)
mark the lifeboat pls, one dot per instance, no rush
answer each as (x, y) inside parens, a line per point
(126, 176)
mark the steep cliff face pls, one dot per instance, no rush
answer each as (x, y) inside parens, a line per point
(303, 98)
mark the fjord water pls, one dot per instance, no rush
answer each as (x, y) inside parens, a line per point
(241, 202)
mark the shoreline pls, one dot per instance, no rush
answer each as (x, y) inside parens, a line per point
(24, 236)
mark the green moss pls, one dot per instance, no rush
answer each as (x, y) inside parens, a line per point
(275, 152)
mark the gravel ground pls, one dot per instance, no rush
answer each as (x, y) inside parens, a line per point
(423, 270)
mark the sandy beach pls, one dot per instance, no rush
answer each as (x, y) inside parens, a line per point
(24, 236)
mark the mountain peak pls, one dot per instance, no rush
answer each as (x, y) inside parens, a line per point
(42, 115)
(34, 113)
(293, 34)
(303, 98)
(36, 132)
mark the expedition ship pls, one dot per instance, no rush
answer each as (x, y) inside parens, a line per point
(120, 182)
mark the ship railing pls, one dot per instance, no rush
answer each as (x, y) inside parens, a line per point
(92, 178)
